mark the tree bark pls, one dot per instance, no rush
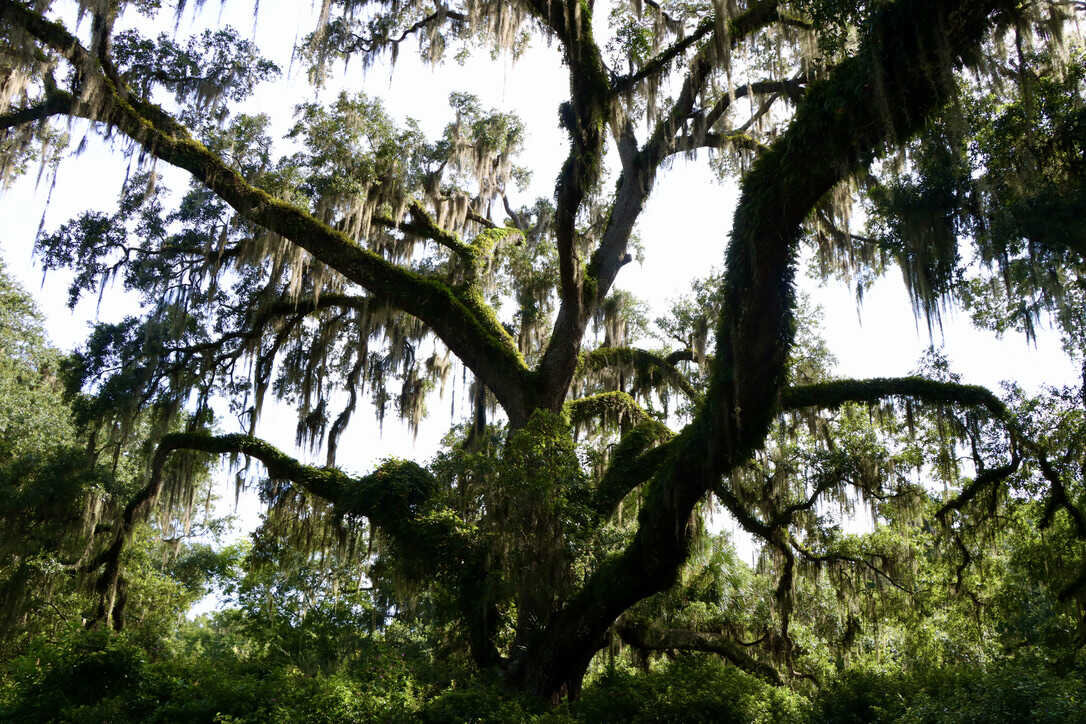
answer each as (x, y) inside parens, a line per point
(882, 96)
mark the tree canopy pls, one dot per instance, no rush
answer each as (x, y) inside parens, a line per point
(563, 521)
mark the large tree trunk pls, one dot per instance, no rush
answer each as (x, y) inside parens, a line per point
(882, 96)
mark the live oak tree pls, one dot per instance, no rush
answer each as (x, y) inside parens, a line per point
(323, 273)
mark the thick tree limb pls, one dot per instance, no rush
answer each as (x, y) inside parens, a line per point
(829, 395)
(907, 58)
(643, 362)
(53, 105)
(655, 638)
(633, 461)
(611, 406)
(459, 317)
(682, 355)
(791, 88)
(390, 506)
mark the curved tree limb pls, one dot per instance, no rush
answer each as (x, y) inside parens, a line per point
(908, 58)
(833, 394)
(615, 405)
(459, 317)
(1058, 498)
(984, 480)
(644, 362)
(632, 463)
(375, 43)
(656, 638)
(396, 498)
(855, 560)
(829, 395)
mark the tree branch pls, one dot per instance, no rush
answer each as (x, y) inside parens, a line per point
(907, 58)
(423, 226)
(396, 498)
(645, 364)
(372, 44)
(656, 638)
(834, 394)
(857, 561)
(737, 139)
(830, 395)
(459, 317)
(283, 308)
(53, 105)
(614, 406)
(632, 463)
(661, 61)
(755, 18)
(1058, 498)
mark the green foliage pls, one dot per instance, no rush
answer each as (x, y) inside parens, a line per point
(690, 689)
(98, 677)
(47, 479)
(321, 272)
(1014, 691)
(1008, 174)
(205, 73)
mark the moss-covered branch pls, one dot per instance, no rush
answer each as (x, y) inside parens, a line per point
(53, 105)
(649, 367)
(614, 407)
(398, 498)
(266, 313)
(584, 117)
(656, 638)
(462, 320)
(422, 225)
(744, 141)
(906, 59)
(855, 560)
(833, 394)
(984, 480)
(633, 461)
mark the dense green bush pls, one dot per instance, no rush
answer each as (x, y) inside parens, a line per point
(689, 689)
(1011, 691)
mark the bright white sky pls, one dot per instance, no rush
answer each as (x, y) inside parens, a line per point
(683, 228)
